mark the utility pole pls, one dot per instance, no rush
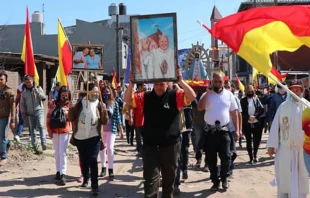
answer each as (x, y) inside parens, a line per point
(117, 49)
(275, 54)
(254, 4)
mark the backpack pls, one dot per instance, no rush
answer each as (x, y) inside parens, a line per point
(58, 118)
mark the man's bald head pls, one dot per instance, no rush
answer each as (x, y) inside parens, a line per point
(218, 82)
(217, 75)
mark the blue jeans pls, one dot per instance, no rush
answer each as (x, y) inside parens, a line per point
(307, 161)
(20, 125)
(3, 137)
(37, 120)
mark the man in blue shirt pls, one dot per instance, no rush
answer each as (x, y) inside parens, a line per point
(275, 102)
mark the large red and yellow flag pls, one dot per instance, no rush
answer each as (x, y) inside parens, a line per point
(256, 33)
(27, 52)
(64, 56)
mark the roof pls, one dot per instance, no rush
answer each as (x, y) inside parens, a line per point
(11, 56)
(261, 3)
(216, 15)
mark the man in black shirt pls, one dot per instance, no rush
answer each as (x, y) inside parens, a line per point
(161, 133)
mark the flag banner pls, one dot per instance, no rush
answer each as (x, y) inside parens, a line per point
(27, 53)
(114, 80)
(256, 33)
(239, 83)
(64, 56)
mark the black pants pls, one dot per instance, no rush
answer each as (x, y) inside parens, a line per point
(139, 131)
(232, 149)
(253, 134)
(262, 122)
(129, 132)
(184, 150)
(88, 152)
(218, 142)
(158, 159)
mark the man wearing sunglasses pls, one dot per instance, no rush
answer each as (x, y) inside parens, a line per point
(219, 103)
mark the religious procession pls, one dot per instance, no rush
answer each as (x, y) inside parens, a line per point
(144, 117)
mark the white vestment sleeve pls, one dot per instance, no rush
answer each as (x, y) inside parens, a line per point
(273, 140)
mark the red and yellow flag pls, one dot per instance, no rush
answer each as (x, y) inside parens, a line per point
(256, 33)
(239, 83)
(27, 52)
(114, 81)
(64, 56)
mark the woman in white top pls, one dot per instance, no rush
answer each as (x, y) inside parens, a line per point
(252, 109)
(88, 115)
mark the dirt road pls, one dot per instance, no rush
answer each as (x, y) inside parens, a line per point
(28, 175)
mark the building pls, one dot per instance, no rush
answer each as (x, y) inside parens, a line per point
(46, 50)
(297, 63)
(223, 58)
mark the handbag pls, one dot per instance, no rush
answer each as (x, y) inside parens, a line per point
(72, 140)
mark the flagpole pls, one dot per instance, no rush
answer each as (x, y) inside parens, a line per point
(288, 90)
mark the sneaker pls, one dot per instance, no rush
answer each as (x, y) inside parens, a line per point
(225, 185)
(80, 179)
(205, 168)
(215, 186)
(176, 190)
(17, 138)
(85, 184)
(185, 175)
(111, 174)
(94, 191)
(44, 147)
(139, 154)
(103, 172)
(255, 159)
(57, 177)
(63, 180)
(198, 164)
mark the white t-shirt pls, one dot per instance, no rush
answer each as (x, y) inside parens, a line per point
(219, 106)
(251, 109)
(231, 123)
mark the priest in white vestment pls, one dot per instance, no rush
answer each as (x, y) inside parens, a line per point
(286, 142)
(163, 61)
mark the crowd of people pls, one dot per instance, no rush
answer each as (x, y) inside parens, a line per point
(161, 123)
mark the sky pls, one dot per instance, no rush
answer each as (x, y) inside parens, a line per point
(189, 31)
(164, 23)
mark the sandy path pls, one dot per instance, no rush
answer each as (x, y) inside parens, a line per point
(35, 178)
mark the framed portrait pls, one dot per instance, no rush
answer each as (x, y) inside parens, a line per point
(154, 51)
(87, 57)
(262, 81)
